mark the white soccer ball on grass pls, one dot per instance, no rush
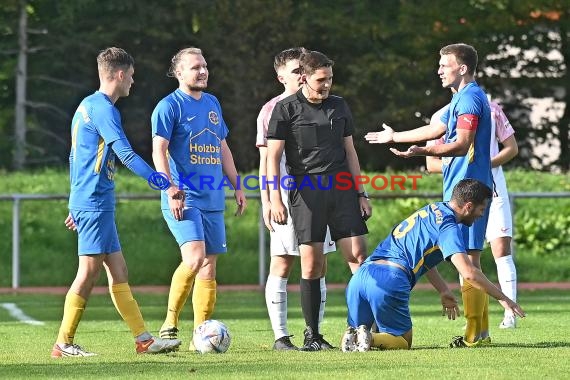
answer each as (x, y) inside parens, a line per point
(212, 336)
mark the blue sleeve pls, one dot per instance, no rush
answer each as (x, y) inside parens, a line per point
(470, 104)
(130, 159)
(163, 119)
(450, 239)
(225, 130)
(107, 122)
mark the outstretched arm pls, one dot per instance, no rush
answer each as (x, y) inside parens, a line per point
(388, 135)
(475, 277)
(130, 159)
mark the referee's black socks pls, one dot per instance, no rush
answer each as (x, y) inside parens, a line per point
(311, 302)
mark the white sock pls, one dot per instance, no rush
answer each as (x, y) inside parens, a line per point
(507, 274)
(323, 301)
(276, 301)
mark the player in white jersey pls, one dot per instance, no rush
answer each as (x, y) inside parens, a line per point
(499, 231)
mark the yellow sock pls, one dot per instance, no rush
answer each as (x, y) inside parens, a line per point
(473, 305)
(203, 300)
(127, 307)
(73, 309)
(485, 318)
(387, 341)
(180, 287)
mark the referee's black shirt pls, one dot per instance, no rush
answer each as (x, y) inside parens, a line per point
(313, 132)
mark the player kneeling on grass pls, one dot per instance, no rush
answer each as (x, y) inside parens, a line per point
(380, 290)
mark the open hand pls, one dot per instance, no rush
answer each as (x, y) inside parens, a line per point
(382, 137)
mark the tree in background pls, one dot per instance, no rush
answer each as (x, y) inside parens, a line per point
(386, 56)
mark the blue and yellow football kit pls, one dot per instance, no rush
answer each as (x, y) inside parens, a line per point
(97, 137)
(476, 164)
(195, 130)
(380, 293)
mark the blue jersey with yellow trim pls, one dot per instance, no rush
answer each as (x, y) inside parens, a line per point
(195, 130)
(476, 163)
(95, 126)
(423, 240)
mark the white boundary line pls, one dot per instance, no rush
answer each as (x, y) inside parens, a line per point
(18, 314)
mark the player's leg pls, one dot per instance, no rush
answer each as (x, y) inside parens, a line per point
(189, 235)
(276, 299)
(328, 247)
(128, 307)
(204, 294)
(354, 251)
(359, 310)
(283, 250)
(507, 274)
(392, 318)
(76, 298)
(323, 287)
(474, 300)
(90, 236)
(474, 304)
(312, 259)
(309, 214)
(499, 234)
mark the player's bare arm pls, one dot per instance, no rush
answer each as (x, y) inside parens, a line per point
(175, 195)
(354, 168)
(274, 152)
(475, 277)
(388, 135)
(229, 169)
(459, 147)
(508, 152)
(264, 193)
(448, 300)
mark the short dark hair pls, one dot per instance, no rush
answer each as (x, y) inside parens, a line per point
(311, 61)
(112, 59)
(471, 190)
(464, 54)
(287, 55)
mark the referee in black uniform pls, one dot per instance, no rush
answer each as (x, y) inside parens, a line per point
(315, 130)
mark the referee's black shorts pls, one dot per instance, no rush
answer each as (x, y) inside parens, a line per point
(316, 201)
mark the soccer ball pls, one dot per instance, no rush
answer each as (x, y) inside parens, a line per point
(212, 336)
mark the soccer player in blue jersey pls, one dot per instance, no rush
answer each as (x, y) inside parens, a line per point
(380, 290)
(189, 146)
(465, 154)
(97, 137)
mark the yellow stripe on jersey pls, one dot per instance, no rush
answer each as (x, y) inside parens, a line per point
(471, 152)
(100, 149)
(421, 262)
(74, 138)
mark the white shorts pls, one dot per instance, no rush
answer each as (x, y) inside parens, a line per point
(284, 241)
(500, 219)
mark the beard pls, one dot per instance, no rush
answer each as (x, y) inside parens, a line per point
(198, 87)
